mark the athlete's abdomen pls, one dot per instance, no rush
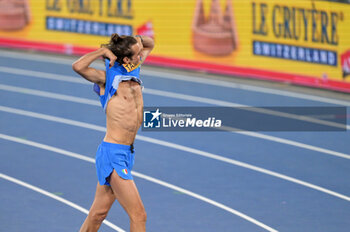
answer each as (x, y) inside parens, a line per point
(124, 113)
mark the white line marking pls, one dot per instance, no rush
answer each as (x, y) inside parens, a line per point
(37, 57)
(177, 96)
(49, 76)
(57, 198)
(53, 118)
(245, 165)
(252, 220)
(296, 144)
(142, 176)
(178, 147)
(188, 78)
(252, 134)
(49, 95)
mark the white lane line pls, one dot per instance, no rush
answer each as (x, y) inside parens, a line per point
(252, 134)
(37, 57)
(245, 165)
(177, 96)
(44, 75)
(233, 211)
(296, 144)
(187, 78)
(57, 198)
(49, 95)
(178, 147)
(142, 176)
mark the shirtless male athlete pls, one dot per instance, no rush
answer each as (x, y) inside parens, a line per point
(119, 88)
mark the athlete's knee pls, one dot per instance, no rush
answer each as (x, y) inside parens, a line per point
(97, 217)
(139, 215)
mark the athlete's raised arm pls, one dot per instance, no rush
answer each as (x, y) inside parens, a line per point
(82, 65)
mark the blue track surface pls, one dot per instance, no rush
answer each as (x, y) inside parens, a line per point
(271, 199)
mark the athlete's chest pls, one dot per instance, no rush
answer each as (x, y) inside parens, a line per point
(129, 90)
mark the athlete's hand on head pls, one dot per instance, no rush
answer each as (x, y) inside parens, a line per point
(138, 39)
(109, 55)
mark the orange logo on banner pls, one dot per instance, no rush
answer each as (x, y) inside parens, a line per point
(14, 14)
(215, 35)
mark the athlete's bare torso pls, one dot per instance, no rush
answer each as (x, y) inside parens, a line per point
(124, 113)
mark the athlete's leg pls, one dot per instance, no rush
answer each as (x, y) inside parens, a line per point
(128, 196)
(103, 201)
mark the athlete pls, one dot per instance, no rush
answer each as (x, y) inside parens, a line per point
(119, 88)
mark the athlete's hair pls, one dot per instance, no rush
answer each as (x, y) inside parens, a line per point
(121, 46)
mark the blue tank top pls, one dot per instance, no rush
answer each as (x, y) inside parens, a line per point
(114, 76)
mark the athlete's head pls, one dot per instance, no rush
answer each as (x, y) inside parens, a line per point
(127, 49)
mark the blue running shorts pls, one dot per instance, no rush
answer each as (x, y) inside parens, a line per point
(111, 156)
